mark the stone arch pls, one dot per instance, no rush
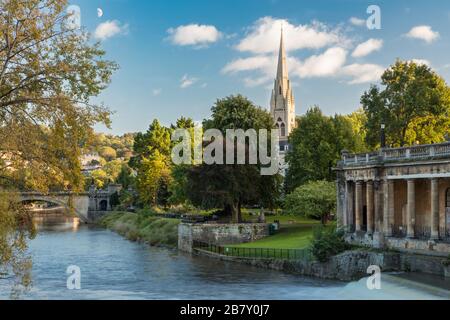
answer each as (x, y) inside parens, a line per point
(79, 204)
(103, 205)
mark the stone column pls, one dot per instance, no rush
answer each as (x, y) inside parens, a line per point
(351, 206)
(359, 206)
(434, 221)
(370, 207)
(346, 201)
(377, 206)
(388, 206)
(411, 209)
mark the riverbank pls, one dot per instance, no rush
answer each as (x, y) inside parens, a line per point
(143, 227)
(348, 266)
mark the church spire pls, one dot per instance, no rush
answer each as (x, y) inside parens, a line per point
(282, 72)
(282, 103)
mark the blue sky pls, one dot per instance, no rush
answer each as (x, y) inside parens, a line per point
(177, 57)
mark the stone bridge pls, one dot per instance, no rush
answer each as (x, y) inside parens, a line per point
(77, 203)
(88, 206)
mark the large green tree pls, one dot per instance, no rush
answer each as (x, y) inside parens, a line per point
(315, 199)
(230, 186)
(152, 162)
(413, 103)
(49, 72)
(316, 146)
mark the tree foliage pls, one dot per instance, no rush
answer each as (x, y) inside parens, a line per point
(328, 242)
(151, 161)
(316, 200)
(48, 75)
(414, 104)
(316, 146)
(232, 186)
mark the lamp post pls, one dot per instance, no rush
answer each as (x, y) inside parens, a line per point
(383, 136)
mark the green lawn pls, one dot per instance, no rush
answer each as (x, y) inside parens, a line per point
(291, 236)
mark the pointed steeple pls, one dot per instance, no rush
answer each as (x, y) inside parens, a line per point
(282, 103)
(282, 72)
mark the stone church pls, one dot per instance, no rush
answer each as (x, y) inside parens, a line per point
(282, 103)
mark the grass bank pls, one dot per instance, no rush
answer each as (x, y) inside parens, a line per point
(143, 227)
(295, 233)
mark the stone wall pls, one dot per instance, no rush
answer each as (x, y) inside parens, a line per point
(377, 240)
(219, 234)
(348, 266)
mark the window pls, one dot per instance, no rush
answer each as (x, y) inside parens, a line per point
(447, 198)
(280, 120)
(281, 91)
(283, 129)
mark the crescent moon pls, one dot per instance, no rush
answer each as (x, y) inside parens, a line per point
(99, 12)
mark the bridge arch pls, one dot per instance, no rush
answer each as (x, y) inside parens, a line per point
(77, 203)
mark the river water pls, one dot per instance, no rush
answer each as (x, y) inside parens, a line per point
(114, 268)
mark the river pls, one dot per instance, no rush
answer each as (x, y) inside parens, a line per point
(114, 268)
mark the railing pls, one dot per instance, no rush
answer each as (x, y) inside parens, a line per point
(396, 154)
(258, 253)
(399, 231)
(422, 232)
(444, 234)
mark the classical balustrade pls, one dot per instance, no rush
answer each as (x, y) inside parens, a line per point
(398, 154)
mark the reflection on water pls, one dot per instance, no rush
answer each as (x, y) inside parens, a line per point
(56, 223)
(114, 268)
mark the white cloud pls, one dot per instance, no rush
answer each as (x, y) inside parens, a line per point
(156, 92)
(251, 63)
(362, 73)
(421, 62)
(447, 66)
(194, 35)
(357, 21)
(424, 33)
(187, 81)
(326, 64)
(109, 29)
(264, 36)
(367, 48)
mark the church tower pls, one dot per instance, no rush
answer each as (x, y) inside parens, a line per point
(282, 103)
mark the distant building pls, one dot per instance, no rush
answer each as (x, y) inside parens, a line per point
(397, 198)
(282, 103)
(90, 162)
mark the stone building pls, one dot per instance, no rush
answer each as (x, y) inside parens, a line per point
(397, 197)
(100, 200)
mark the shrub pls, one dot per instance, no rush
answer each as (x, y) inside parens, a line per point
(316, 200)
(328, 242)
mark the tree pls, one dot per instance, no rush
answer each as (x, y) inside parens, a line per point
(232, 186)
(316, 200)
(48, 75)
(179, 182)
(126, 176)
(316, 146)
(151, 162)
(108, 153)
(414, 104)
(152, 173)
(99, 178)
